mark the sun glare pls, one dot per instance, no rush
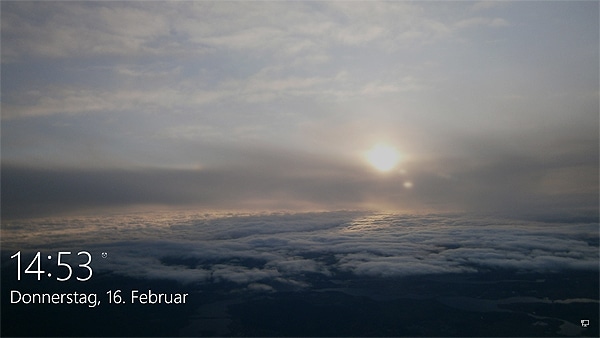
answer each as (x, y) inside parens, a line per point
(383, 157)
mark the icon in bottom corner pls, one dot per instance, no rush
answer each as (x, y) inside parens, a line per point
(585, 322)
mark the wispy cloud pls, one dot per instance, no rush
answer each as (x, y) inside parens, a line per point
(486, 5)
(482, 21)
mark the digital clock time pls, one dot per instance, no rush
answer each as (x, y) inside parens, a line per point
(35, 266)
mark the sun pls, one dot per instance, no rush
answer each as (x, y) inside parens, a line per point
(383, 157)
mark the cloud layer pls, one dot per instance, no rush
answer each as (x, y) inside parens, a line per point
(270, 251)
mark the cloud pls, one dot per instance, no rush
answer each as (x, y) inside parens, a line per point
(241, 275)
(260, 287)
(119, 29)
(486, 5)
(73, 30)
(267, 252)
(298, 266)
(396, 266)
(185, 97)
(482, 21)
(72, 101)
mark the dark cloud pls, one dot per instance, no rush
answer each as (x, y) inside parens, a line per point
(34, 191)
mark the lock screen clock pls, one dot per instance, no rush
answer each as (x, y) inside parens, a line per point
(65, 266)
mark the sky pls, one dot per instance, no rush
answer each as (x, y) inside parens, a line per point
(265, 106)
